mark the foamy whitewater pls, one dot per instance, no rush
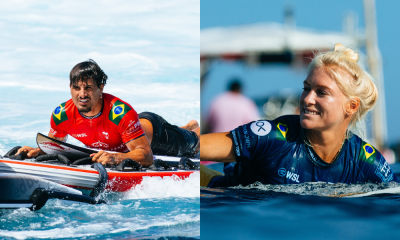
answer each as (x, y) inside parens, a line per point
(150, 52)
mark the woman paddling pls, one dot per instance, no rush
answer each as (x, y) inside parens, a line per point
(316, 145)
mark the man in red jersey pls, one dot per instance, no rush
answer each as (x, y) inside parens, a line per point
(103, 121)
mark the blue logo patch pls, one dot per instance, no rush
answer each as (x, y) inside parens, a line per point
(282, 172)
(57, 110)
(118, 110)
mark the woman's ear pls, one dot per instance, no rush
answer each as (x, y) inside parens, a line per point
(352, 106)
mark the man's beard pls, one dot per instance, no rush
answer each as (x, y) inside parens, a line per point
(85, 109)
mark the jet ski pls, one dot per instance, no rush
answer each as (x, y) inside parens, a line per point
(26, 191)
(71, 166)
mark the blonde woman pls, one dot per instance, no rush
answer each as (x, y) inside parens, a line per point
(316, 145)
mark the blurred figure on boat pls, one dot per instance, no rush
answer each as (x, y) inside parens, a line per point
(231, 109)
(389, 155)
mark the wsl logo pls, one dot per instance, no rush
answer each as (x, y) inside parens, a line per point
(282, 172)
(289, 175)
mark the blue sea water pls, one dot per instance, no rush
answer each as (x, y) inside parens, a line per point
(149, 50)
(305, 211)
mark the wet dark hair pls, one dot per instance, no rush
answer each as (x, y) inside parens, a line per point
(87, 70)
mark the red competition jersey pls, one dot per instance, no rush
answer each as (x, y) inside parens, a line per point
(117, 124)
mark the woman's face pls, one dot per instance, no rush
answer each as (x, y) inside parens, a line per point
(322, 102)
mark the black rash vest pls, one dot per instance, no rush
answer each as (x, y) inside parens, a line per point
(274, 152)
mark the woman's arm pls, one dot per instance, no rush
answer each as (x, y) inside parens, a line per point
(217, 147)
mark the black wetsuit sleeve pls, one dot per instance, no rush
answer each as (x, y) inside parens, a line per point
(254, 145)
(256, 141)
(378, 171)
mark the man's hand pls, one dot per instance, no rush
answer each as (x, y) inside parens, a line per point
(106, 158)
(31, 152)
(34, 152)
(140, 152)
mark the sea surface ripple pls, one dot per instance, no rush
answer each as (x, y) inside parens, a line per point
(303, 211)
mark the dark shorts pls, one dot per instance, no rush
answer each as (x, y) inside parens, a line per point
(169, 139)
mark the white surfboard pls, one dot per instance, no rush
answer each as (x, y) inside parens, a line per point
(395, 190)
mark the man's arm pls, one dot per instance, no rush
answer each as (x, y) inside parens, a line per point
(34, 152)
(140, 152)
(217, 147)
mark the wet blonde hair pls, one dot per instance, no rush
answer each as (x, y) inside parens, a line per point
(352, 80)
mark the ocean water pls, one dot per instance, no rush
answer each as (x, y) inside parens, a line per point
(150, 52)
(305, 211)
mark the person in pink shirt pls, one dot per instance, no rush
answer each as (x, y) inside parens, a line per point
(231, 109)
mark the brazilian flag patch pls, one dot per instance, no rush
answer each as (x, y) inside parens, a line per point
(59, 114)
(282, 130)
(118, 111)
(369, 152)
